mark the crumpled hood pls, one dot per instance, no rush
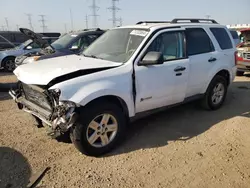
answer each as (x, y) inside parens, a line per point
(42, 72)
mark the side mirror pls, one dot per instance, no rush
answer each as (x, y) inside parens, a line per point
(152, 58)
(29, 47)
(74, 48)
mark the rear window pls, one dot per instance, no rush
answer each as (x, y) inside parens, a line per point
(198, 42)
(234, 34)
(222, 37)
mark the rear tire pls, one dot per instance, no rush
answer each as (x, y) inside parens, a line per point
(9, 64)
(92, 133)
(215, 94)
(239, 73)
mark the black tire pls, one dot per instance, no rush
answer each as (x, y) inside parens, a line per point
(239, 73)
(9, 64)
(207, 102)
(87, 114)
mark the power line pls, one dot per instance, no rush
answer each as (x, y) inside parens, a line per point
(94, 9)
(30, 21)
(114, 10)
(43, 22)
(7, 23)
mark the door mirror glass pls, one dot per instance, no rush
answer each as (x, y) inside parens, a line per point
(29, 47)
(152, 58)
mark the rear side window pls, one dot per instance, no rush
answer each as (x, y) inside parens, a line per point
(234, 34)
(198, 41)
(222, 37)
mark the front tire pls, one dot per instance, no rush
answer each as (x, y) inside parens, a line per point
(100, 128)
(9, 64)
(215, 94)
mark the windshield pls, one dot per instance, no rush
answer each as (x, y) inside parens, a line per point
(116, 45)
(63, 42)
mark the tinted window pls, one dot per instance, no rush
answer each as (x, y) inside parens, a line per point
(81, 43)
(234, 34)
(7, 36)
(92, 38)
(222, 37)
(198, 41)
(20, 38)
(169, 44)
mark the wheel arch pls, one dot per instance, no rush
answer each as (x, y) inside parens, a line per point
(7, 57)
(112, 99)
(222, 72)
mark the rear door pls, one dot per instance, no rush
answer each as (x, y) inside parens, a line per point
(225, 46)
(202, 57)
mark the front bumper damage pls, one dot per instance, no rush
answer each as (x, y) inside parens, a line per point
(60, 116)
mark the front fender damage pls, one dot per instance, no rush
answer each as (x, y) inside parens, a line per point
(64, 118)
(44, 104)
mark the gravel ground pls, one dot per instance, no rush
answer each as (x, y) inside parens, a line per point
(182, 147)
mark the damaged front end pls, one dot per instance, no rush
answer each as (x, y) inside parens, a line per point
(44, 104)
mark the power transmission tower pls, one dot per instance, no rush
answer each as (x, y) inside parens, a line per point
(43, 22)
(94, 9)
(65, 27)
(208, 16)
(71, 20)
(114, 10)
(120, 21)
(30, 22)
(87, 22)
(17, 27)
(7, 23)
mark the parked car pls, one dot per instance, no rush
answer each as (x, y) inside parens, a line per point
(243, 55)
(235, 36)
(127, 72)
(71, 43)
(10, 39)
(7, 57)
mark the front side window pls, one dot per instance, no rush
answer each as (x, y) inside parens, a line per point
(64, 41)
(170, 44)
(222, 37)
(116, 45)
(198, 41)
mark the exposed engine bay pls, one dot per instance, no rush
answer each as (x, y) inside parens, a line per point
(45, 105)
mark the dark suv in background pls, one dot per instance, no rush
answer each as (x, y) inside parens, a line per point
(70, 43)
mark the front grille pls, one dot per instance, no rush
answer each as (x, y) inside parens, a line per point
(37, 97)
(246, 56)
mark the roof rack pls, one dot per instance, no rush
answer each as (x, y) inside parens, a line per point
(193, 20)
(146, 22)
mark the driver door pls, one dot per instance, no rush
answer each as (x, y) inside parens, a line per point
(164, 84)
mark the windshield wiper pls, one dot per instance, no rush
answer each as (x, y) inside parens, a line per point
(92, 56)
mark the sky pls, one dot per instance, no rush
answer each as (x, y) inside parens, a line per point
(58, 12)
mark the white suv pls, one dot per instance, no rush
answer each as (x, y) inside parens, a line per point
(126, 72)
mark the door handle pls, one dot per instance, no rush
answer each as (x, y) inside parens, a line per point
(212, 59)
(179, 68)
